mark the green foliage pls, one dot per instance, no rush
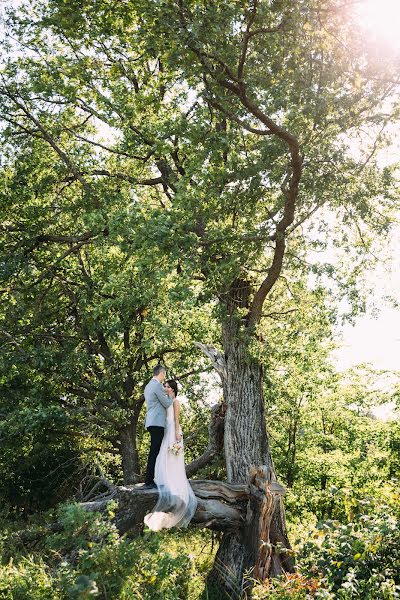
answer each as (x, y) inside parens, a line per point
(40, 462)
(88, 558)
(29, 579)
(394, 448)
(288, 587)
(134, 194)
(141, 178)
(359, 559)
(327, 443)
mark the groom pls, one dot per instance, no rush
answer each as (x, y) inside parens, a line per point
(157, 401)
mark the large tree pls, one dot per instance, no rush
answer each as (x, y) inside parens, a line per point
(81, 305)
(230, 125)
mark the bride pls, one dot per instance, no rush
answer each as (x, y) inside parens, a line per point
(176, 502)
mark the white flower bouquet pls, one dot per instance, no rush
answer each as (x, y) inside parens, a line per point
(176, 448)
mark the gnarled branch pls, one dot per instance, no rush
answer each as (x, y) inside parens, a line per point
(216, 357)
(215, 440)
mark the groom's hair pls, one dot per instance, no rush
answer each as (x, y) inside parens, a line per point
(157, 370)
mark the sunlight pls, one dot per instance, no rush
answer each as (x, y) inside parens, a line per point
(381, 18)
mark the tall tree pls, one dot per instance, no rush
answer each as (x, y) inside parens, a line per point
(236, 117)
(81, 305)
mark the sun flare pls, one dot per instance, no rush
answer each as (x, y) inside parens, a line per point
(381, 19)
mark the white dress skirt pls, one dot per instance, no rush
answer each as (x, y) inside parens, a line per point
(176, 502)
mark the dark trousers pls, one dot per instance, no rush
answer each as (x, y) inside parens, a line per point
(157, 434)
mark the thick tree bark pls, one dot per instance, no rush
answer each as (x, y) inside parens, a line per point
(250, 515)
(129, 453)
(221, 505)
(260, 548)
(246, 452)
(246, 440)
(247, 513)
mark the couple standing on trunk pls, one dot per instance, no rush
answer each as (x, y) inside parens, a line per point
(165, 471)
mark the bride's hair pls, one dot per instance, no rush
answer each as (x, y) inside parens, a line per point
(172, 384)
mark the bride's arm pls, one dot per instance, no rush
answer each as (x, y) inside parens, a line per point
(177, 408)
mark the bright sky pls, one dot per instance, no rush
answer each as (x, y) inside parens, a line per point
(381, 19)
(372, 340)
(376, 339)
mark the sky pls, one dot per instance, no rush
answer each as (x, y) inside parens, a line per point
(374, 340)
(381, 19)
(375, 337)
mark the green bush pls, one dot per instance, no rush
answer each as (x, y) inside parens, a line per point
(360, 559)
(288, 587)
(87, 558)
(27, 579)
(357, 560)
(103, 564)
(38, 467)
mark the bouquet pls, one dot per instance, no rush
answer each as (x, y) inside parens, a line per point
(176, 448)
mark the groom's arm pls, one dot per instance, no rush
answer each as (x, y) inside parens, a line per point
(165, 400)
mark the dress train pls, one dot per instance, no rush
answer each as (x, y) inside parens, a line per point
(176, 502)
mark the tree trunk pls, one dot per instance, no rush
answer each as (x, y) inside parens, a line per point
(247, 452)
(220, 505)
(129, 453)
(246, 440)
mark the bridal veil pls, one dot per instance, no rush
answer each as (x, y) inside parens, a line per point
(176, 502)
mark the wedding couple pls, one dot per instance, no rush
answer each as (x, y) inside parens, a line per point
(176, 502)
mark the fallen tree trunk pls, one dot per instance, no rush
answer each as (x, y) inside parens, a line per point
(221, 505)
(244, 512)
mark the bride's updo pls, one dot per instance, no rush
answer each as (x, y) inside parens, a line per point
(173, 384)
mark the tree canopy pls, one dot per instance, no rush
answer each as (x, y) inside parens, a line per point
(170, 170)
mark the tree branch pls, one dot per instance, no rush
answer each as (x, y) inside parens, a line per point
(216, 357)
(49, 139)
(215, 440)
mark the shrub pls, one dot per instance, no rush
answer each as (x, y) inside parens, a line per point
(288, 587)
(88, 559)
(28, 579)
(360, 559)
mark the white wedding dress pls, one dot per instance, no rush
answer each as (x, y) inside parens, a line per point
(176, 502)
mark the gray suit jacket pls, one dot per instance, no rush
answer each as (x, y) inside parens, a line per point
(157, 402)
